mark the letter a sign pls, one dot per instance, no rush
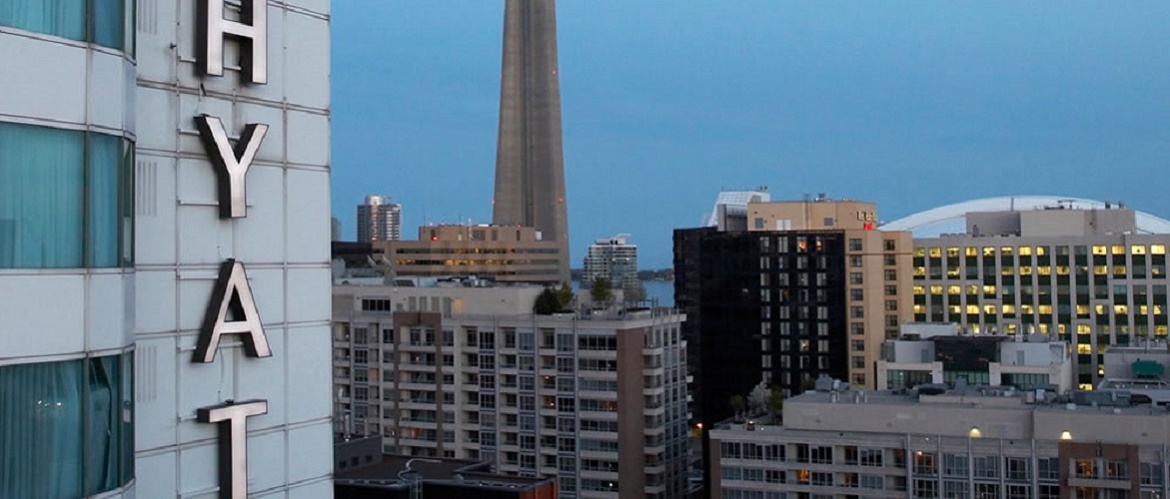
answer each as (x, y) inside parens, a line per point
(232, 311)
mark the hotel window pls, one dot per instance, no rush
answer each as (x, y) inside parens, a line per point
(855, 278)
(890, 260)
(109, 23)
(891, 290)
(70, 431)
(856, 294)
(66, 198)
(855, 261)
(891, 275)
(857, 312)
(855, 245)
(890, 244)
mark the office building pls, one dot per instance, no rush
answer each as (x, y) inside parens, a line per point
(464, 372)
(530, 170)
(809, 288)
(1092, 274)
(936, 354)
(998, 444)
(613, 259)
(379, 220)
(507, 254)
(129, 222)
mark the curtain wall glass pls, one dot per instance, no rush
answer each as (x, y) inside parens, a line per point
(111, 22)
(68, 427)
(66, 198)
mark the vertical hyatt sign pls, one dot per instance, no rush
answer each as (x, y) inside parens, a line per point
(232, 309)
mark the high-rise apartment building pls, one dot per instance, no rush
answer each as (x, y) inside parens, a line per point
(810, 288)
(530, 170)
(164, 173)
(1091, 276)
(613, 259)
(468, 372)
(379, 220)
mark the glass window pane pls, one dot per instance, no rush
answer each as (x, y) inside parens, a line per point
(63, 18)
(41, 439)
(40, 197)
(108, 23)
(126, 205)
(102, 428)
(105, 159)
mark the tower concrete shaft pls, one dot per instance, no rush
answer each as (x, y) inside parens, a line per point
(530, 170)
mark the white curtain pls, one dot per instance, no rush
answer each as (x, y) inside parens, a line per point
(40, 196)
(64, 18)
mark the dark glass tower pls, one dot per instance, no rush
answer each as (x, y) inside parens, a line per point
(530, 170)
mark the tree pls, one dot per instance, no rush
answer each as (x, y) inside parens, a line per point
(738, 404)
(635, 292)
(758, 398)
(602, 290)
(776, 402)
(547, 303)
(565, 295)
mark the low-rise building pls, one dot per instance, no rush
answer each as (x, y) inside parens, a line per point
(938, 354)
(972, 444)
(499, 253)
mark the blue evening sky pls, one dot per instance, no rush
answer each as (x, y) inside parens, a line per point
(909, 104)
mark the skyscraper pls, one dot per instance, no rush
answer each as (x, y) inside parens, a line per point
(378, 220)
(530, 170)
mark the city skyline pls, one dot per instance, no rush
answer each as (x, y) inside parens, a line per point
(908, 109)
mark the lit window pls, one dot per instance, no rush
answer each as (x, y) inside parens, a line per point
(1062, 270)
(936, 290)
(1119, 270)
(1160, 330)
(1026, 270)
(954, 289)
(935, 252)
(989, 289)
(989, 251)
(1044, 270)
(1041, 250)
(972, 309)
(1082, 309)
(1157, 249)
(1045, 309)
(1100, 270)
(1121, 309)
(1137, 249)
(1099, 249)
(989, 309)
(1025, 251)
(1009, 309)
(1084, 349)
(971, 251)
(952, 252)
(973, 289)
(1006, 250)
(1083, 329)
(919, 252)
(1026, 309)
(1118, 249)
(919, 290)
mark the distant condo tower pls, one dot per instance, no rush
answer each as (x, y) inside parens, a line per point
(530, 170)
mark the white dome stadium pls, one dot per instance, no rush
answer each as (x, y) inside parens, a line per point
(952, 218)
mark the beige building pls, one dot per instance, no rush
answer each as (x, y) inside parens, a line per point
(877, 273)
(881, 444)
(500, 253)
(470, 373)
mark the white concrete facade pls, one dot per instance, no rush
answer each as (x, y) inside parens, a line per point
(282, 242)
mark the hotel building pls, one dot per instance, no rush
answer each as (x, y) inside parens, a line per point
(1090, 275)
(808, 288)
(469, 373)
(135, 236)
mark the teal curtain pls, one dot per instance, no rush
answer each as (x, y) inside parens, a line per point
(108, 22)
(102, 186)
(63, 18)
(41, 435)
(40, 196)
(67, 427)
